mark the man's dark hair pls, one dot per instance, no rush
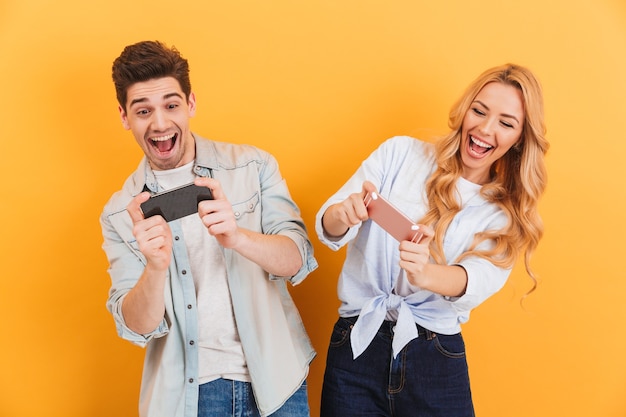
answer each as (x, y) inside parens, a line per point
(145, 61)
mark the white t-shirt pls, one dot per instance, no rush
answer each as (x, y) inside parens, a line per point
(219, 347)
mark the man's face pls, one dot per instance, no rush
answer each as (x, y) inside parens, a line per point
(158, 115)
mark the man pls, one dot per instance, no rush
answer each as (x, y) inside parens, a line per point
(206, 293)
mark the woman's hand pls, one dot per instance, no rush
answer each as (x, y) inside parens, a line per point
(415, 256)
(340, 217)
(447, 280)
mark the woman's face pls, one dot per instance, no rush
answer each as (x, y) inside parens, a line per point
(491, 126)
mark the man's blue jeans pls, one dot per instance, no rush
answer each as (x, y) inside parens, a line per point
(428, 378)
(226, 398)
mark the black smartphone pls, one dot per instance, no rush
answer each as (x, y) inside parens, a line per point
(177, 202)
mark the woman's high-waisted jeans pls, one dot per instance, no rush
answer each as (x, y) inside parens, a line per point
(428, 378)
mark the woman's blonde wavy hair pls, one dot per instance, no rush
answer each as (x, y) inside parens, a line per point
(518, 178)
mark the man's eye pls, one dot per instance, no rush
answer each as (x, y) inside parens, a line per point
(172, 106)
(142, 112)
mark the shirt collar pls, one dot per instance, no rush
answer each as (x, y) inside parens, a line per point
(206, 160)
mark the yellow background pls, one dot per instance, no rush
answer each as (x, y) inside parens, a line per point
(319, 84)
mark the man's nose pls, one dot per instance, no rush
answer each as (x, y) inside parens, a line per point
(160, 120)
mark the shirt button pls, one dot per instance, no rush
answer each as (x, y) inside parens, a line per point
(191, 342)
(184, 272)
(237, 214)
(191, 380)
(189, 306)
(176, 237)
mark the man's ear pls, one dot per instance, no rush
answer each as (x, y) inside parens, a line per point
(124, 118)
(192, 104)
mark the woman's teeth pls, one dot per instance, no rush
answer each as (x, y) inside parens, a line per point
(478, 147)
(480, 143)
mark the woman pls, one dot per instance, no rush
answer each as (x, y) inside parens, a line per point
(396, 349)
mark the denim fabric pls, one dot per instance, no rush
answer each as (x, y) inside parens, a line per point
(428, 378)
(225, 398)
(261, 302)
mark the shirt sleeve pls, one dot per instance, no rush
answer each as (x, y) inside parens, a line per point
(126, 264)
(372, 169)
(281, 216)
(483, 280)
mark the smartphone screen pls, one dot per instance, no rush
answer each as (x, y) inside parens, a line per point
(392, 220)
(176, 203)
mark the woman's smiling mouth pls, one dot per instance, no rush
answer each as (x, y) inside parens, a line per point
(478, 147)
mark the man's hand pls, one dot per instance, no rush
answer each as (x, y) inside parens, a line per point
(153, 234)
(143, 307)
(276, 254)
(217, 214)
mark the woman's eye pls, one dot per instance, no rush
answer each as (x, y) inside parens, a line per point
(507, 124)
(478, 111)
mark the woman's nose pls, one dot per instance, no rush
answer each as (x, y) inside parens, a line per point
(486, 127)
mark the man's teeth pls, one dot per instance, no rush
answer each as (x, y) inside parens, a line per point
(480, 143)
(162, 138)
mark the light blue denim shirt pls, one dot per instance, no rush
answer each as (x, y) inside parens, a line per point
(276, 346)
(400, 168)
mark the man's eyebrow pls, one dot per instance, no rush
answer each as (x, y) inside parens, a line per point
(510, 116)
(170, 95)
(137, 100)
(144, 99)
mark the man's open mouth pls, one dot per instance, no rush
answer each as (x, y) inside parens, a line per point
(164, 143)
(479, 146)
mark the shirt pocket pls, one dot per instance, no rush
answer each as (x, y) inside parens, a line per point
(457, 239)
(244, 210)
